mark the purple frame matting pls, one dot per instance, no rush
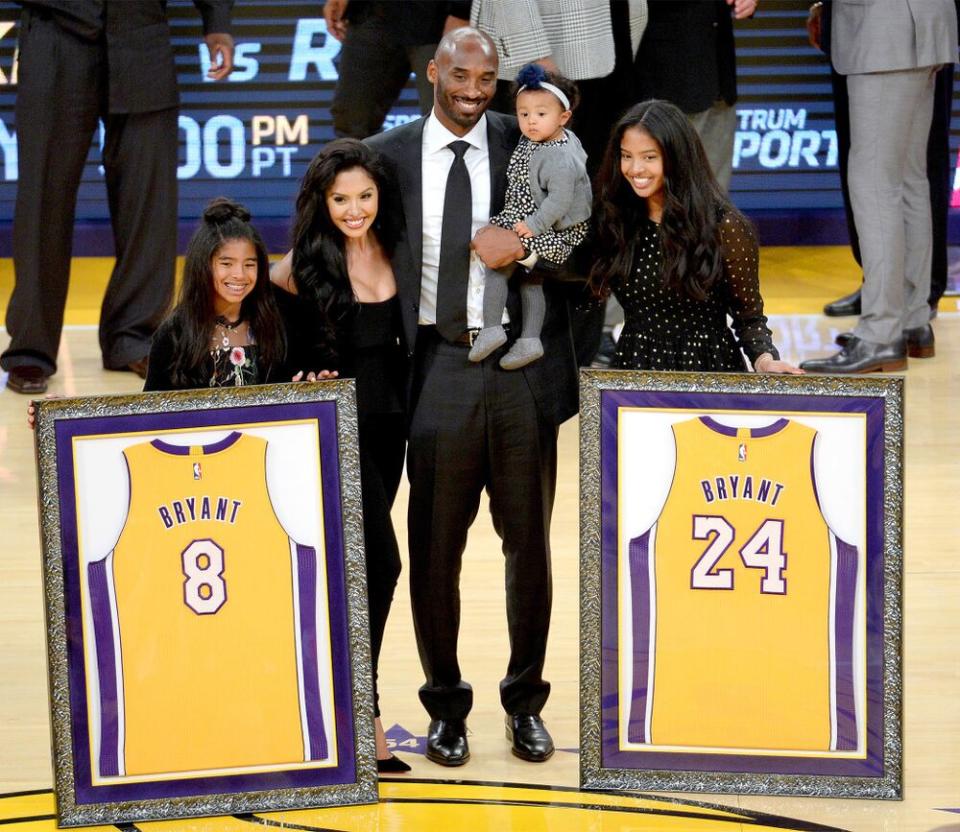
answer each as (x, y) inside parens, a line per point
(608, 763)
(352, 778)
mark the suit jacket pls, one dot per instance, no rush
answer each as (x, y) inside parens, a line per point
(887, 35)
(553, 378)
(577, 34)
(687, 54)
(135, 35)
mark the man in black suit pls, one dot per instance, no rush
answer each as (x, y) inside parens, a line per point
(473, 426)
(80, 61)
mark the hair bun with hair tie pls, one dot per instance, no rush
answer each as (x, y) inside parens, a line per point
(531, 76)
(222, 210)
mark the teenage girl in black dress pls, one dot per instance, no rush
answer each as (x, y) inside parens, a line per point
(677, 254)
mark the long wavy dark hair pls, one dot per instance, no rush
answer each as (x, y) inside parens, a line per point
(693, 206)
(193, 318)
(319, 254)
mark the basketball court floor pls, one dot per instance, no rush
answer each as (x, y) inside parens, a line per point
(495, 790)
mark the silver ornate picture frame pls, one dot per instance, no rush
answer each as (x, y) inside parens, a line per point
(206, 609)
(741, 577)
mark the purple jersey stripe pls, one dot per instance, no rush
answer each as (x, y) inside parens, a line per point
(640, 592)
(755, 433)
(307, 560)
(843, 629)
(184, 450)
(769, 430)
(106, 667)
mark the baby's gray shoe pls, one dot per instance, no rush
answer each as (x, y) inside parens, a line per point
(487, 340)
(523, 352)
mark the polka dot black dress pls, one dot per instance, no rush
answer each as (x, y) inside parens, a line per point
(666, 330)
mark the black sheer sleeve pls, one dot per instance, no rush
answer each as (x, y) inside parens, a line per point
(160, 360)
(741, 287)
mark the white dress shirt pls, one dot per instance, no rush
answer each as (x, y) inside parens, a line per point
(436, 158)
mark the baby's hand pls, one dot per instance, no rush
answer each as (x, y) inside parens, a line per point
(523, 230)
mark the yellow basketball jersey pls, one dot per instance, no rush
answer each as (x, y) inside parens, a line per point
(737, 600)
(203, 585)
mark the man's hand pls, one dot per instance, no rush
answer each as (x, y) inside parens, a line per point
(815, 25)
(333, 11)
(497, 247)
(220, 46)
(743, 8)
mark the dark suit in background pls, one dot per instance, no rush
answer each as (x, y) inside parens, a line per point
(386, 40)
(81, 60)
(687, 57)
(476, 427)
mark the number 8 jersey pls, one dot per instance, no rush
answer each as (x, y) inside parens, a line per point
(743, 600)
(205, 619)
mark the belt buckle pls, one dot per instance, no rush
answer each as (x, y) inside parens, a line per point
(472, 336)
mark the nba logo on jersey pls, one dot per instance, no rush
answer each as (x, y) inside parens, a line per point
(741, 453)
(196, 471)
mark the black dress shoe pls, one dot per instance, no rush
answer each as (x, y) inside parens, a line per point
(529, 738)
(847, 305)
(28, 379)
(392, 765)
(859, 356)
(920, 342)
(447, 742)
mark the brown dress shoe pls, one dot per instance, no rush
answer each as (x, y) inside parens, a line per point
(920, 341)
(139, 367)
(28, 379)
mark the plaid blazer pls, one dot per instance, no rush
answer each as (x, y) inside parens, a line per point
(577, 34)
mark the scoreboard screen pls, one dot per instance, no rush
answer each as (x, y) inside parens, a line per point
(252, 136)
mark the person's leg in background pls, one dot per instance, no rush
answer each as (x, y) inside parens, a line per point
(57, 108)
(140, 160)
(372, 69)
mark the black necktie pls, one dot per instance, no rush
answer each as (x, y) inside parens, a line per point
(455, 248)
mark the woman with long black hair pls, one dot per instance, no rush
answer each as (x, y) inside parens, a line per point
(344, 232)
(676, 252)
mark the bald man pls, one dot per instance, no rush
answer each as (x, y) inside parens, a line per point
(474, 426)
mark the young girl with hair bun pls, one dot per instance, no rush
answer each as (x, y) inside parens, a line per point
(226, 328)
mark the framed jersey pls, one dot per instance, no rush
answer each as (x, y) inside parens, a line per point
(206, 602)
(741, 554)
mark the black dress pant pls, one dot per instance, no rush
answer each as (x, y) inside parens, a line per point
(382, 440)
(938, 170)
(476, 427)
(62, 92)
(373, 68)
